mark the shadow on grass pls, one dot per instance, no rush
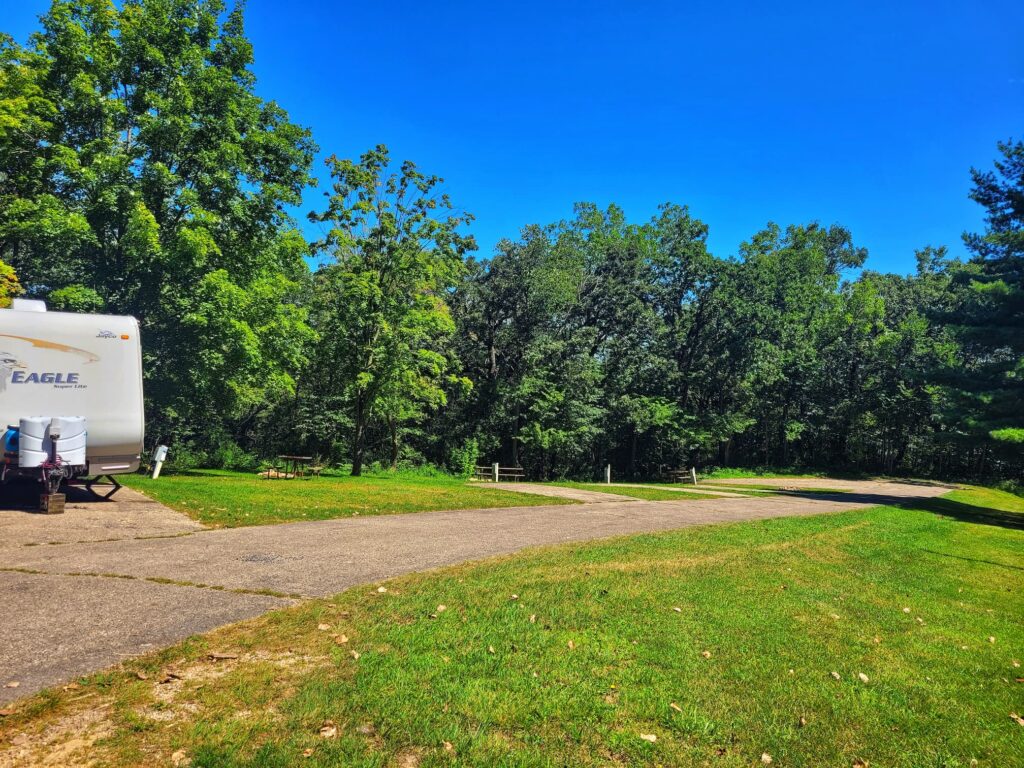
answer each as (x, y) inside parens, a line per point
(967, 513)
(973, 560)
(955, 510)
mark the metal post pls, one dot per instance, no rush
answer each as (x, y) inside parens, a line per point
(495, 471)
(693, 473)
(608, 474)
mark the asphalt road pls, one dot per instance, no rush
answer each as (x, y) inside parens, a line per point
(102, 595)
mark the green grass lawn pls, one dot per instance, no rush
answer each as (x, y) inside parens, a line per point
(881, 637)
(230, 499)
(650, 492)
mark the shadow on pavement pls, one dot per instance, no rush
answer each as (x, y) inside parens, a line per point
(23, 496)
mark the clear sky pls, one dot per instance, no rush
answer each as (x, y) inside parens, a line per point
(868, 114)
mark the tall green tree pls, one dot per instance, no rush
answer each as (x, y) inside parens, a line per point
(396, 250)
(991, 322)
(142, 175)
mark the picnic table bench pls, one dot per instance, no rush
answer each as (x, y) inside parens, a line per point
(294, 466)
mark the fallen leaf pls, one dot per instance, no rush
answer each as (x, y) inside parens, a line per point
(341, 639)
(323, 627)
(1017, 718)
(12, 684)
(906, 610)
(862, 677)
(447, 746)
(490, 649)
(677, 609)
(366, 729)
(308, 752)
(766, 758)
(802, 722)
(382, 590)
(834, 615)
(675, 706)
(354, 654)
(572, 645)
(533, 618)
(329, 730)
(1016, 663)
(706, 654)
(835, 676)
(991, 639)
(920, 620)
(180, 759)
(514, 597)
(877, 640)
(222, 656)
(860, 764)
(441, 608)
(649, 737)
(6, 712)
(792, 672)
(142, 675)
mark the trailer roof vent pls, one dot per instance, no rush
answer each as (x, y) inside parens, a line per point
(29, 305)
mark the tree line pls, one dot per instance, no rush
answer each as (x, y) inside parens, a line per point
(141, 174)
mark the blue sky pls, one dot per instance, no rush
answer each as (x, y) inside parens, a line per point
(867, 114)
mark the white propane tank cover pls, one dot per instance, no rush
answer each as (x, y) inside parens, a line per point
(69, 437)
(34, 443)
(29, 305)
(160, 454)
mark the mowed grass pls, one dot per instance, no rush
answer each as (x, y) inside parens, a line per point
(709, 646)
(646, 492)
(230, 499)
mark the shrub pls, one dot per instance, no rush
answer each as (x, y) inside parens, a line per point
(463, 458)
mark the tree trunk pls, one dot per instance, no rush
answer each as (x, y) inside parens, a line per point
(515, 441)
(393, 426)
(359, 443)
(632, 456)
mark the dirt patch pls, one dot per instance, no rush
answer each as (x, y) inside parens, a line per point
(68, 740)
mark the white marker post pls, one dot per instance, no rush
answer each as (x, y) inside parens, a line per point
(693, 473)
(495, 471)
(159, 457)
(608, 474)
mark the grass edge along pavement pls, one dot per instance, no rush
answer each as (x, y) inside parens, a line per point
(221, 498)
(887, 636)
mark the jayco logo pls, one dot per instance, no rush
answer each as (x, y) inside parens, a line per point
(20, 377)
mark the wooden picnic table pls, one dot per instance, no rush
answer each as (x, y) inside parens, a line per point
(297, 465)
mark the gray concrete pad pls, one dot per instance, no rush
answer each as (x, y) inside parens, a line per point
(56, 628)
(128, 514)
(557, 491)
(314, 558)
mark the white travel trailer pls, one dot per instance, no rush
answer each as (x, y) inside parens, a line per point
(70, 394)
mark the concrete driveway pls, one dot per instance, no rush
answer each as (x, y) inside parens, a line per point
(131, 576)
